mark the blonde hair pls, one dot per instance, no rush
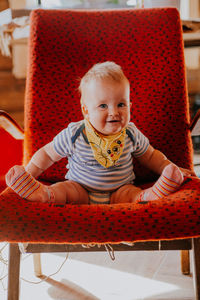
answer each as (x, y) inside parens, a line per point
(105, 70)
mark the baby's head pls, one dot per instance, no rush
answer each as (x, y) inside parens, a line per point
(105, 98)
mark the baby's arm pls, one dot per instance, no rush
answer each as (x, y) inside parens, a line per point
(27, 187)
(42, 160)
(154, 160)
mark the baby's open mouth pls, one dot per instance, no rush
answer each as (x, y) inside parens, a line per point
(113, 121)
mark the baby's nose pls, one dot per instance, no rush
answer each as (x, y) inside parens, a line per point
(113, 111)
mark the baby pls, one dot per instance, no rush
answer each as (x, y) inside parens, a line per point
(99, 150)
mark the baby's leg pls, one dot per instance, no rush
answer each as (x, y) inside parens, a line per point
(29, 188)
(125, 194)
(25, 185)
(169, 181)
(69, 192)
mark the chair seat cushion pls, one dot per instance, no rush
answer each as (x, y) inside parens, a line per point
(173, 217)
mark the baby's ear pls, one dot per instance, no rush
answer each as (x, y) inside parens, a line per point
(84, 109)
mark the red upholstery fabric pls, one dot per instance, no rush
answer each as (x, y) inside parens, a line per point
(10, 153)
(169, 218)
(63, 46)
(146, 43)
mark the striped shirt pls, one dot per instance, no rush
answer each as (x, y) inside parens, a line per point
(84, 169)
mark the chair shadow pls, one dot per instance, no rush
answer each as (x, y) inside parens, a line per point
(67, 290)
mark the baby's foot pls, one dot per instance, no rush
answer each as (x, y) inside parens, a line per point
(26, 186)
(169, 181)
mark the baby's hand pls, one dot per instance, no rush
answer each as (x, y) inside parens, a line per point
(187, 173)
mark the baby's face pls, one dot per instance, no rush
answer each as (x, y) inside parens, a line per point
(106, 104)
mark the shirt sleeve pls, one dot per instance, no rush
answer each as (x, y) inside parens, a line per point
(62, 142)
(141, 141)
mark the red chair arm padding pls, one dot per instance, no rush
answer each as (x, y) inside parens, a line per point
(174, 217)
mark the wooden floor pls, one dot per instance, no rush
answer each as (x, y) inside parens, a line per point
(91, 276)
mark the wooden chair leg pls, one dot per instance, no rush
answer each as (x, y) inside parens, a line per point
(37, 265)
(185, 262)
(13, 272)
(196, 259)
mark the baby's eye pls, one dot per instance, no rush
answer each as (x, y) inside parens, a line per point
(103, 106)
(121, 104)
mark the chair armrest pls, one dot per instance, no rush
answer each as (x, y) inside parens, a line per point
(11, 126)
(195, 124)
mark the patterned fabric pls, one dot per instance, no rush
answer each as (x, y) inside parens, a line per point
(164, 187)
(84, 168)
(24, 184)
(106, 149)
(63, 46)
(174, 217)
(99, 197)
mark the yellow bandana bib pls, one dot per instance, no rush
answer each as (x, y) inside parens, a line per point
(106, 149)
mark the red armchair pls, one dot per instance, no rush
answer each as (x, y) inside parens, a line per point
(148, 45)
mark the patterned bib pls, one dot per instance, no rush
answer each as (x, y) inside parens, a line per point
(106, 149)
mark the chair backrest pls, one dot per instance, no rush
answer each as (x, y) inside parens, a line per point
(148, 45)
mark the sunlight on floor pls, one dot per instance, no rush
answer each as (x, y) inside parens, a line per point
(80, 280)
(102, 281)
(94, 276)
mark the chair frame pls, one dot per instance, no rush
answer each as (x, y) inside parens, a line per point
(184, 245)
